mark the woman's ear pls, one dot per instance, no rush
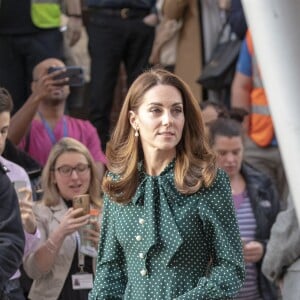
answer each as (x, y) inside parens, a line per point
(132, 119)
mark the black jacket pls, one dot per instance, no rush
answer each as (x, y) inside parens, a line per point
(11, 231)
(266, 205)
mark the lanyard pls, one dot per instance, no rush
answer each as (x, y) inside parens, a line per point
(50, 131)
(80, 255)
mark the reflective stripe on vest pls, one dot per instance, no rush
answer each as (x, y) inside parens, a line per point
(45, 13)
(261, 129)
(261, 110)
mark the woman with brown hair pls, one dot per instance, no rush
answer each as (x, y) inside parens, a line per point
(57, 262)
(169, 229)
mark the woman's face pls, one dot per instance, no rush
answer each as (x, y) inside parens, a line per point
(229, 152)
(72, 182)
(160, 119)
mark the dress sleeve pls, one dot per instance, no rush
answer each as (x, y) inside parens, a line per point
(284, 245)
(31, 241)
(110, 280)
(41, 236)
(226, 272)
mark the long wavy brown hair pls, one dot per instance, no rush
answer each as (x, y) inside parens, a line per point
(195, 164)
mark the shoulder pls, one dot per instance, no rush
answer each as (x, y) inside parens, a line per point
(4, 180)
(3, 170)
(82, 127)
(16, 170)
(218, 190)
(254, 176)
(221, 181)
(78, 122)
(217, 198)
(8, 199)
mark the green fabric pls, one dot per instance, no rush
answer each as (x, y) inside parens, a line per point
(179, 236)
(46, 15)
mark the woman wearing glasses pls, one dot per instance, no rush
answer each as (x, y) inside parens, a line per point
(59, 269)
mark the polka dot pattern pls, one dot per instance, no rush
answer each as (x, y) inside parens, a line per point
(165, 245)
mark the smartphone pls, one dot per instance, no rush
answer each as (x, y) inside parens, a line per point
(19, 185)
(82, 201)
(74, 73)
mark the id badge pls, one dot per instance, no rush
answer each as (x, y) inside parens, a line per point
(82, 281)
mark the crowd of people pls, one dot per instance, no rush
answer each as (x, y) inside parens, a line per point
(185, 196)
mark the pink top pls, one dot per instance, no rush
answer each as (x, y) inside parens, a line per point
(40, 143)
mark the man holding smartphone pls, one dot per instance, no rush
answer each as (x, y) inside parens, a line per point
(41, 121)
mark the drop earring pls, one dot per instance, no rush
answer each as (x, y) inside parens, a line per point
(136, 134)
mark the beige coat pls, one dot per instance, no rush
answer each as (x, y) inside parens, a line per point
(48, 286)
(189, 50)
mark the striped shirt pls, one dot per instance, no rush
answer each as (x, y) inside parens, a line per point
(247, 226)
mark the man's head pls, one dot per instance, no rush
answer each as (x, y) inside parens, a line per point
(56, 93)
(6, 106)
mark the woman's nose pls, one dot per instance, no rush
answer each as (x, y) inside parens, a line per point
(74, 174)
(166, 118)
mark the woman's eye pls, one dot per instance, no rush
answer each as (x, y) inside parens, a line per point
(178, 110)
(155, 110)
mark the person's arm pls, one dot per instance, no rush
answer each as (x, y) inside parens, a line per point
(227, 271)
(43, 258)
(21, 120)
(174, 9)
(267, 210)
(240, 95)
(242, 82)
(283, 247)
(11, 232)
(74, 25)
(240, 91)
(110, 280)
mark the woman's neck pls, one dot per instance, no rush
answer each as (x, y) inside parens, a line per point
(154, 163)
(238, 184)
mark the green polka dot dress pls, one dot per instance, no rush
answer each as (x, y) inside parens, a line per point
(165, 245)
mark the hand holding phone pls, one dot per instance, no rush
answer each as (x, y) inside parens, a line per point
(21, 189)
(82, 201)
(74, 73)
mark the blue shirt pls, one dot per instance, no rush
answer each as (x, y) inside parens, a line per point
(244, 63)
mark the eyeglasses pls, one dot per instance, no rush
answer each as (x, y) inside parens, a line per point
(66, 170)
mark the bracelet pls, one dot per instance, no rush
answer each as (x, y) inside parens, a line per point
(75, 16)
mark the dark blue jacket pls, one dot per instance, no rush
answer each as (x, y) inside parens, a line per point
(266, 205)
(11, 230)
(237, 19)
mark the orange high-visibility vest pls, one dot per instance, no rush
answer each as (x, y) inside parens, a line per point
(261, 129)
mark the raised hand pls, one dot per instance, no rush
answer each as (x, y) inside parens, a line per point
(70, 222)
